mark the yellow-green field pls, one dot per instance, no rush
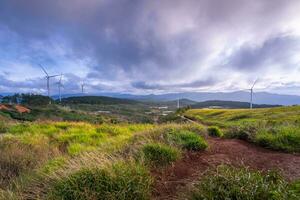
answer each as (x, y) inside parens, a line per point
(275, 128)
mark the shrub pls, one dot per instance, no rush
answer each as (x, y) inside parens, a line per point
(231, 183)
(159, 154)
(188, 140)
(119, 181)
(280, 138)
(214, 131)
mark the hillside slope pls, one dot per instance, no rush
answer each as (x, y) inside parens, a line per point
(229, 104)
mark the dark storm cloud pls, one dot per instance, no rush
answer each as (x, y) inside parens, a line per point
(273, 52)
(153, 86)
(147, 43)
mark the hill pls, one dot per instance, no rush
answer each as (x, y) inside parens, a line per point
(97, 100)
(259, 97)
(229, 104)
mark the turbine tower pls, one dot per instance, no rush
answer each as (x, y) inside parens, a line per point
(178, 105)
(251, 94)
(82, 87)
(48, 77)
(60, 85)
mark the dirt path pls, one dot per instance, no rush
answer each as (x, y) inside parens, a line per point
(222, 151)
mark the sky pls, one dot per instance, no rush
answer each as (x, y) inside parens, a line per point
(158, 46)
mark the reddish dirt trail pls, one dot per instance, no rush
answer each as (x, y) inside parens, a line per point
(222, 151)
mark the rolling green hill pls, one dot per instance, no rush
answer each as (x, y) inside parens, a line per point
(97, 100)
(229, 104)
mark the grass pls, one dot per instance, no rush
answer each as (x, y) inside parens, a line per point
(232, 183)
(214, 131)
(119, 181)
(188, 140)
(157, 154)
(48, 154)
(274, 128)
(75, 138)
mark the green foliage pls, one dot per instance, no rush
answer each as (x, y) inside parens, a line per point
(295, 188)
(119, 181)
(159, 154)
(286, 138)
(188, 140)
(243, 184)
(28, 99)
(214, 131)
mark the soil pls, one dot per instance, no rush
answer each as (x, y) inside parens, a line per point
(233, 152)
(3, 107)
(22, 109)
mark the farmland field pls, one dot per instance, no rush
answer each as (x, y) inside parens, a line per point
(257, 150)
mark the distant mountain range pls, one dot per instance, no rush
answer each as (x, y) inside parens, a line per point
(258, 98)
(229, 104)
(242, 96)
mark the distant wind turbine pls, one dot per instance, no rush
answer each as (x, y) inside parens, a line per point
(48, 77)
(82, 87)
(178, 103)
(60, 85)
(251, 95)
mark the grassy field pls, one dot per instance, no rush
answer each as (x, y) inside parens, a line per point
(275, 128)
(59, 153)
(50, 160)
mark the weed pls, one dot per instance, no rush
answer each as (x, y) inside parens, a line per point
(118, 181)
(232, 183)
(159, 154)
(188, 140)
(214, 131)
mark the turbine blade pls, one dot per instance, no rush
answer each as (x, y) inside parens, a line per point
(53, 76)
(43, 69)
(254, 83)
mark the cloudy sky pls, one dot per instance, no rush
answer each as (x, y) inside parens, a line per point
(158, 46)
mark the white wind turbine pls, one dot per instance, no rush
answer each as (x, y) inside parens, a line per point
(251, 94)
(82, 87)
(60, 85)
(48, 77)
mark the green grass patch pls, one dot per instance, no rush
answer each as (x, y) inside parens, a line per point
(188, 140)
(214, 131)
(159, 154)
(232, 183)
(285, 138)
(119, 181)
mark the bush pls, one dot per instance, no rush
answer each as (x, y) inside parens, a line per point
(231, 183)
(160, 155)
(119, 181)
(280, 138)
(214, 131)
(188, 140)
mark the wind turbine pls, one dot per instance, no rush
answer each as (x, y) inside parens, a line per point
(59, 84)
(251, 95)
(82, 87)
(178, 104)
(48, 77)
